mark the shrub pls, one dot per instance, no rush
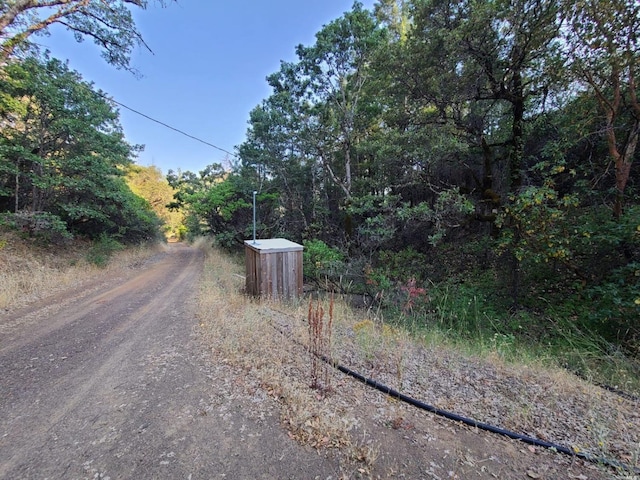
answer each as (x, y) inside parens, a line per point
(43, 226)
(320, 260)
(102, 249)
(404, 265)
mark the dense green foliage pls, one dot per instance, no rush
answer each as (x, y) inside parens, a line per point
(455, 159)
(63, 158)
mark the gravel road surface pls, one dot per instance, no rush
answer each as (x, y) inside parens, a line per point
(111, 382)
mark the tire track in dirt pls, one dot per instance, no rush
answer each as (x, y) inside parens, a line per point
(116, 385)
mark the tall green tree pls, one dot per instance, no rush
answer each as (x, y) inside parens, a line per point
(303, 140)
(487, 67)
(469, 78)
(276, 159)
(62, 151)
(107, 22)
(334, 71)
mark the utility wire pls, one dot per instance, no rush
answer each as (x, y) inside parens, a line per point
(166, 125)
(111, 99)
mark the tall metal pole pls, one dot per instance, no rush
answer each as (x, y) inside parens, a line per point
(254, 217)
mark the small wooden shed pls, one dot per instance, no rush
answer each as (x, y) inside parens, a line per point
(273, 268)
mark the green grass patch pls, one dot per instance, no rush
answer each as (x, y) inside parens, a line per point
(465, 317)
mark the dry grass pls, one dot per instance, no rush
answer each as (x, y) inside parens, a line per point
(241, 332)
(265, 340)
(29, 271)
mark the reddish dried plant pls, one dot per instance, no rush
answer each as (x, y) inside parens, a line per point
(319, 344)
(415, 295)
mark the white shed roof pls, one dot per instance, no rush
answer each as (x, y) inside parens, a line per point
(273, 245)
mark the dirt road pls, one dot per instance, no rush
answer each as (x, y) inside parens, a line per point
(111, 382)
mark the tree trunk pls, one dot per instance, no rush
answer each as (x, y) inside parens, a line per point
(517, 132)
(17, 191)
(623, 168)
(490, 199)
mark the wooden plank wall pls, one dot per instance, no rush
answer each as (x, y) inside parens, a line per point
(250, 264)
(276, 275)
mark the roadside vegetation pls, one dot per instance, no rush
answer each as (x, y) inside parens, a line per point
(31, 270)
(72, 199)
(71, 195)
(64, 160)
(463, 169)
(522, 389)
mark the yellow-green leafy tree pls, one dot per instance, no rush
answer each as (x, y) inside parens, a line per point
(150, 184)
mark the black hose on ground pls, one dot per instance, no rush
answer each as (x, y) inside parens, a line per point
(467, 421)
(604, 386)
(617, 391)
(482, 426)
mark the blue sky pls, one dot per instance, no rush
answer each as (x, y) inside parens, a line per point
(207, 71)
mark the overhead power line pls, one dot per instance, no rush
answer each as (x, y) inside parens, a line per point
(182, 132)
(166, 125)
